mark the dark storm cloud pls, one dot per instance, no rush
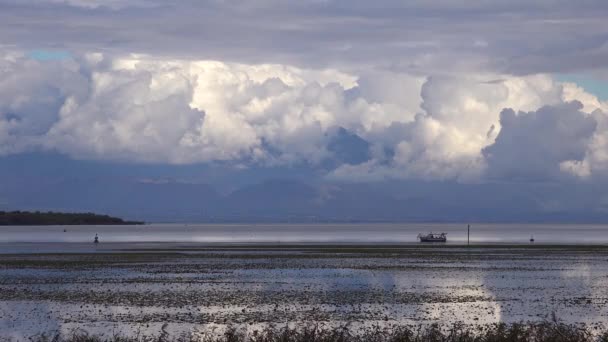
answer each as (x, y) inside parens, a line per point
(533, 145)
(517, 36)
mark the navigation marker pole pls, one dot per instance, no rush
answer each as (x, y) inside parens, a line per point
(468, 233)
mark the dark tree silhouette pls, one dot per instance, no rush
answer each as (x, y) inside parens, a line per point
(26, 218)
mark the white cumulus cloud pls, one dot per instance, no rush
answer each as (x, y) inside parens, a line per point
(150, 109)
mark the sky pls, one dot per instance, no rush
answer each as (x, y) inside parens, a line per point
(331, 93)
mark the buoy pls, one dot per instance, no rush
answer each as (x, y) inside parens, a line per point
(96, 240)
(532, 239)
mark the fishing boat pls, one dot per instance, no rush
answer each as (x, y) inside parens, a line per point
(433, 237)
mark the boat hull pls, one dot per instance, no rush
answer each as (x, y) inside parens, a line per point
(424, 239)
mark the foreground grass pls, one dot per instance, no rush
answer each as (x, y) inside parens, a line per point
(533, 332)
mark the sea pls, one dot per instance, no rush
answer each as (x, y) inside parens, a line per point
(196, 279)
(16, 239)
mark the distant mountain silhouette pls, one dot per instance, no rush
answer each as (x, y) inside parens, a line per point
(348, 147)
(138, 193)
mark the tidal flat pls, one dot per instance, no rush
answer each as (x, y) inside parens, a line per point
(195, 289)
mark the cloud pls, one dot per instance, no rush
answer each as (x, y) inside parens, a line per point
(539, 145)
(131, 115)
(595, 162)
(31, 95)
(590, 102)
(87, 4)
(415, 36)
(459, 117)
(156, 110)
(371, 125)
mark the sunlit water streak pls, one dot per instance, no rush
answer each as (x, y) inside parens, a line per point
(368, 233)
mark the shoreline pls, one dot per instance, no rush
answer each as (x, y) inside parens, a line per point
(375, 247)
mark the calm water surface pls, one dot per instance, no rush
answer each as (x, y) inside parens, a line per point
(369, 233)
(220, 275)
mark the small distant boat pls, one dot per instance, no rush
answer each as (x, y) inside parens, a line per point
(433, 237)
(532, 239)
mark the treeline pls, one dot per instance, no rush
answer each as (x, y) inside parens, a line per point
(37, 218)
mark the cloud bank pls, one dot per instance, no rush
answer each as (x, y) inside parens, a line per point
(514, 37)
(372, 124)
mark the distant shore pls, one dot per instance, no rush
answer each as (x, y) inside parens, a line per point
(37, 218)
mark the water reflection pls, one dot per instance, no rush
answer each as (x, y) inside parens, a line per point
(477, 286)
(20, 320)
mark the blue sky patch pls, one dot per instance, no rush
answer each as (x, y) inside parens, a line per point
(49, 55)
(594, 86)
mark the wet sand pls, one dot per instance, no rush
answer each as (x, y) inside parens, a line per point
(135, 289)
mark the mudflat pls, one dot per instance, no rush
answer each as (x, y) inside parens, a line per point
(193, 288)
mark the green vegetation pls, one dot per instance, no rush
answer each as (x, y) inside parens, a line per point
(517, 332)
(26, 218)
